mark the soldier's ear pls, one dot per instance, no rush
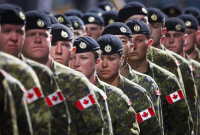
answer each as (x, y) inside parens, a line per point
(122, 60)
(150, 41)
(185, 38)
(164, 31)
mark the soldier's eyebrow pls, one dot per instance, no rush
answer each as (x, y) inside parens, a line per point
(122, 38)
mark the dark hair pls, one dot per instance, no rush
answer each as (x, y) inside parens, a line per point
(97, 54)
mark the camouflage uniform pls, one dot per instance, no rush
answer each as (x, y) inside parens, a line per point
(175, 115)
(75, 86)
(140, 101)
(8, 115)
(60, 117)
(38, 109)
(122, 114)
(151, 86)
(195, 68)
(189, 83)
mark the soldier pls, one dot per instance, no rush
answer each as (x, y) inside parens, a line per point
(94, 25)
(78, 26)
(86, 60)
(175, 114)
(106, 5)
(172, 10)
(53, 19)
(74, 12)
(192, 32)
(14, 113)
(12, 36)
(109, 72)
(96, 10)
(159, 57)
(64, 20)
(123, 32)
(80, 95)
(109, 17)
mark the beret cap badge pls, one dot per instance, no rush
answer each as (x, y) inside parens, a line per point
(171, 11)
(76, 24)
(111, 21)
(178, 27)
(188, 23)
(82, 45)
(154, 17)
(122, 29)
(64, 34)
(137, 28)
(108, 48)
(100, 14)
(144, 10)
(91, 19)
(21, 15)
(107, 8)
(40, 23)
(61, 19)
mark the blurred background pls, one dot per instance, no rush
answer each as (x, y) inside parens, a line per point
(60, 6)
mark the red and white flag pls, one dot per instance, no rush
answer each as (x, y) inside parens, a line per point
(85, 102)
(171, 98)
(128, 101)
(177, 63)
(55, 98)
(146, 114)
(191, 68)
(32, 95)
(157, 92)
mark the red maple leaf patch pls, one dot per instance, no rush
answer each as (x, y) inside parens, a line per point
(85, 101)
(175, 96)
(30, 95)
(54, 98)
(145, 114)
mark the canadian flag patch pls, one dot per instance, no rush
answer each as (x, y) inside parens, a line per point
(191, 68)
(85, 102)
(146, 114)
(157, 92)
(55, 98)
(171, 98)
(177, 63)
(32, 95)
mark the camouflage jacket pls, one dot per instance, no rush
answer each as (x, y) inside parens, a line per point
(140, 102)
(38, 109)
(122, 114)
(14, 117)
(150, 86)
(195, 69)
(75, 86)
(60, 116)
(176, 114)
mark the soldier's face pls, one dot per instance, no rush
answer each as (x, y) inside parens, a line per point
(126, 44)
(37, 44)
(93, 30)
(198, 38)
(109, 66)
(78, 33)
(85, 63)
(156, 33)
(191, 40)
(12, 38)
(141, 44)
(61, 51)
(143, 18)
(174, 41)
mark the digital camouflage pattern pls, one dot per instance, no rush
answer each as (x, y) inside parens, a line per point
(75, 86)
(196, 73)
(122, 115)
(175, 115)
(60, 117)
(8, 115)
(140, 101)
(39, 112)
(150, 86)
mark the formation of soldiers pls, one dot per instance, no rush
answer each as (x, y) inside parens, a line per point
(127, 72)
